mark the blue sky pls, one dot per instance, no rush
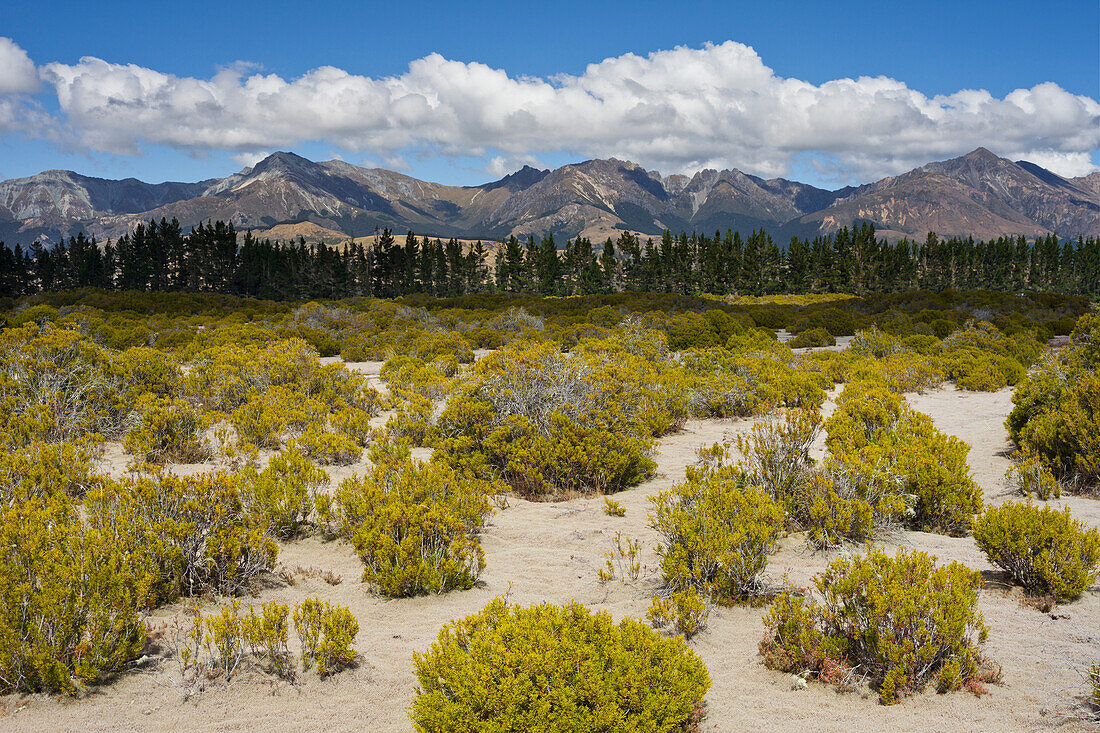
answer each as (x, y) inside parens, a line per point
(744, 118)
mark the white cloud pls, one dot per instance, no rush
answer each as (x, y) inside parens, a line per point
(250, 158)
(500, 166)
(17, 72)
(677, 110)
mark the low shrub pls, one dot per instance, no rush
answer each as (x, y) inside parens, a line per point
(550, 423)
(749, 381)
(329, 448)
(815, 337)
(776, 453)
(44, 469)
(167, 430)
(414, 525)
(266, 417)
(905, 372)
(1044, 550)
(683, 612)
(190, 534)
(1056, 409)
(326, 633)
(282, 494)
(838, 506)
(613, 508)
(875, 433)
(227, 643)
(981, 358)
(1031, 477)
(70, 598)
(900, 621)
(591, 673)
(622, 560)
(716, 534)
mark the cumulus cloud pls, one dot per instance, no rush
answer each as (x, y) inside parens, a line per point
(17, 71)
(500, 165)
(248, 159)
(677, 110)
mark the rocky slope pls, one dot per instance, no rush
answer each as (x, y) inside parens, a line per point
(978, 194)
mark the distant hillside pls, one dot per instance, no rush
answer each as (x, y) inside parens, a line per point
(286, 195)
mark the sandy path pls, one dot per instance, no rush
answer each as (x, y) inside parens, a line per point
(551, 552)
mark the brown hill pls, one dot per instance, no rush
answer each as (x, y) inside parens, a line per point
(286, 195)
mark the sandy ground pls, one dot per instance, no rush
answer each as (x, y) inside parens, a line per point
(551, 552)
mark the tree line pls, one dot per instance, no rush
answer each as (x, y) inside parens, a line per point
(212, 257)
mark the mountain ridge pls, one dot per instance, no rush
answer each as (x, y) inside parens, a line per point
(978, 194)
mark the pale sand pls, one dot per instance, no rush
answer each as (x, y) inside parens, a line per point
(551, 552)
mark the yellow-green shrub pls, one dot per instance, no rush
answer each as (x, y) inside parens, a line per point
(591, 673)
(906, 372)
(739, 383)
(548, 422)
(329, 448)
(901, 621)
(326, 633)
(409, 374)
(837, 506)
(228, 643)
(282, 495)
(414, 525)
(1044, 550)
(70, 598)
(167, 429)
(43, 469)
(979, 357)
(1031, 477)
(143, 371)
(776, 453)
(716, 533)
(682, 611)
(190, 534)
(355, 423)
(55, 385)
(266, 417)
(1056, 409)
(875, 433)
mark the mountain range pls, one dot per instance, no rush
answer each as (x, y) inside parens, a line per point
(286, 195)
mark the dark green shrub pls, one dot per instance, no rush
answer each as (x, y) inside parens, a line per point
(549, 668)
(900, 621)
(1044, 550)
(815, 337)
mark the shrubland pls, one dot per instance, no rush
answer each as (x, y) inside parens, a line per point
(571, 401)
